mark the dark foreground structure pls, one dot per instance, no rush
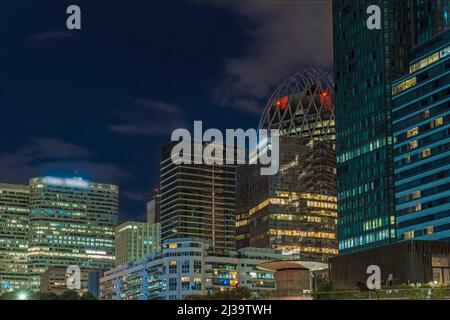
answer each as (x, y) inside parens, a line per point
(409, 262)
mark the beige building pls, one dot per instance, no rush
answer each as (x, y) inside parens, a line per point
(135, 240)
(54, 280)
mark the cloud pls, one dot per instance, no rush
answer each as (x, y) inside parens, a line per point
(136, 196)
(150, 118)
(48, 36)
(159, 106)
(42, 155)
(283, 37)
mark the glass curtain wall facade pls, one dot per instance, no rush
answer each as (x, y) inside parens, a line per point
(366, 62)
(14, 218)
(294, 210)
(430, 17)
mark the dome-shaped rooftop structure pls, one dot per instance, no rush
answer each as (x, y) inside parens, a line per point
(303, 106)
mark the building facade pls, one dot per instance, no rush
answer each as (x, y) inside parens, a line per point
(429, 18)
(198, 201)
(294, 210)
(72, 222)
(421, 118)
(189, 267)
(54, 280)
(402, 263)
(365, 64)
(154, 208)
(135, 240)
(14, 219)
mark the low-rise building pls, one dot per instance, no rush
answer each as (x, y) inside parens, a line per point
(186, 267)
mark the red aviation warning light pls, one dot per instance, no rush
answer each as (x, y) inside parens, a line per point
(325, 100)
(282, 103)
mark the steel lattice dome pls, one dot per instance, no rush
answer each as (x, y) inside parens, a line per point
(303, 105)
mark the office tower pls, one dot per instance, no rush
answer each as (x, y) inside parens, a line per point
(14, 217)
(135, 240)
(154, 207)
(421, 121)
(72, 222)
(429, 18)
(198, 201)
(294, 210)
(365, 64)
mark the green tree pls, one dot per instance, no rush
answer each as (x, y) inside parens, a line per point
(69, 295)
(88, 296)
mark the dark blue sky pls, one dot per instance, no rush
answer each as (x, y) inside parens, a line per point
(102, 100)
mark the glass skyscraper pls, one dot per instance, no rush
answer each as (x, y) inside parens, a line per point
(421, 118)
(366, 62)
(72, 222)
(294, 210)
(198, 201)
(14, 218)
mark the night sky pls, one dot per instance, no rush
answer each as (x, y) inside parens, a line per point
(102, 100)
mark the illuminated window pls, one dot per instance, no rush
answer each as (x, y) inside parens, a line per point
(438, 122)
(415, 195)
(409, 235)
(413, 132)
(172, 245)
(423, 115)
(426, 153)
(426, 61)
(413, 145)
(407, 159)
(429, 230)
(404, 85)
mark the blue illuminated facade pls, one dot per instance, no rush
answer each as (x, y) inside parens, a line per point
(421, 125)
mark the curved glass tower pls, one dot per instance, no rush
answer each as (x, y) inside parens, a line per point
(295, 210)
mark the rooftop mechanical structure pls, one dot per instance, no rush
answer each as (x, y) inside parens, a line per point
(303, 106)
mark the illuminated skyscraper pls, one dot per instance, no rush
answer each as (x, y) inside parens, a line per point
(294, 210)
(365, 63)
(14, 217)
(72, 222)
(135, 240)
(198, 201)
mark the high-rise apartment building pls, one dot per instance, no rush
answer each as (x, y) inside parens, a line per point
(198, 201)
(135, 240)
(365, 64)
(14, 218)
(294, 210)
(421, 119)
(72, 222)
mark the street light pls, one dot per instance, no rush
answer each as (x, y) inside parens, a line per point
(23, 296)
